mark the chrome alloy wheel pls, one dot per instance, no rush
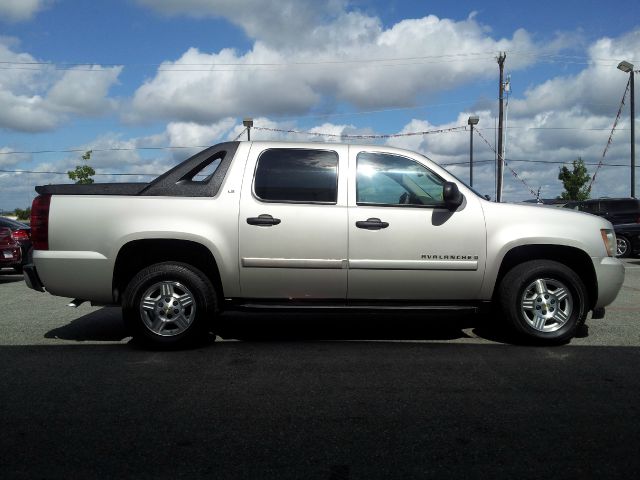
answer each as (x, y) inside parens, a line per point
(546, 305)
(621, 247)
(167, 308)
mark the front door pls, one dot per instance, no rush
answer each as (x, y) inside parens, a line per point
(403, 243)
(293, 223)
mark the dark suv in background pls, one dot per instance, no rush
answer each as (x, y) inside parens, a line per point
(616, 210)
(628, 239)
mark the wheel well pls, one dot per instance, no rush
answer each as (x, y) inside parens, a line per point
(136, 255)
(574, 258)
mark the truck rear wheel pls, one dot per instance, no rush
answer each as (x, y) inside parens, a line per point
(544, 300)
(169, 305)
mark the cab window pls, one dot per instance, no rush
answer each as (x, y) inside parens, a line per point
(291, 175)
(386, 179)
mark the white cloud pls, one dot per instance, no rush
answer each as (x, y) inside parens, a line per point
(37, 98)
(21, 10)
(8, 158)
(279, 22)
(84, 90)
(352, 59)
(208, 96)
(193, 134)
(597, 89)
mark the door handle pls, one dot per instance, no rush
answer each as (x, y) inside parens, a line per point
(372, 224)
(263, 220)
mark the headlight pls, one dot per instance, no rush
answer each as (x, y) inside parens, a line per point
(609, 239)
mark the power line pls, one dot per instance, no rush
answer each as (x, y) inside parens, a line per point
(513, 172)
(242, 66)
(178, 147)
(363, 136)
(610, 140)
(114, 149)
(259, 64)
(128, 149)
(65, 173)
(125, 149)
(240, 134)
(446, 164)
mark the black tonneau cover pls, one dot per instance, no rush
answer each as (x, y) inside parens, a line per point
(177, 182)
(93, 189)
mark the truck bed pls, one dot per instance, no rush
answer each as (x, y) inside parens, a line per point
(180, 181)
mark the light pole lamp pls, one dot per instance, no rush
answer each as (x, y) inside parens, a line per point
(473, 120)
(248, 123)
(628, 68)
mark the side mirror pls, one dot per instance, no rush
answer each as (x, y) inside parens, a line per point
(451, 196)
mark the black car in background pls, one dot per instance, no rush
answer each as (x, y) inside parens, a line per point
(628, 239)
(21, 233)
(616, 210)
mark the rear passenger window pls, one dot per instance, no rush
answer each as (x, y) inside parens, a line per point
(297, 175)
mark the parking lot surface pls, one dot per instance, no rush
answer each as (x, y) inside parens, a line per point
(32, 318)
(315, 397)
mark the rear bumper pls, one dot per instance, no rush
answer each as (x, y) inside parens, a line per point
(31, 278)
(75, 274)
(10, 256)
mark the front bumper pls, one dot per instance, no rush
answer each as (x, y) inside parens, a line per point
(610, 275)
(31, 277)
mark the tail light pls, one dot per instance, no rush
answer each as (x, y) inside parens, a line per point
(40, 222)
(20, 235)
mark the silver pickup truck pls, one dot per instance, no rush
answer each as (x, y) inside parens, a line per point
(310, 225)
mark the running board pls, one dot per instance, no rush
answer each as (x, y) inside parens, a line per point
(362, 307)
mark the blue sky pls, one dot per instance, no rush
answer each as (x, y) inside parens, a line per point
(120, 75)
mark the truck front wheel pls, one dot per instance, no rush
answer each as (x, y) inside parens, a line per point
(544, 300)
(169, 305)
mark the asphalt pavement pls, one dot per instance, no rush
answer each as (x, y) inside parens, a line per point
(315, 396)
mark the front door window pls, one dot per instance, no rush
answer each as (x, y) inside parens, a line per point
(392, 180)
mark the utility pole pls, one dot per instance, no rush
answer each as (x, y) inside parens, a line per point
(633, 138)
(501, 59)
(248, 122)
(473, 120)
(628, 68)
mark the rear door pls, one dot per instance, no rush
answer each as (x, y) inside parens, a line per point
(403, 243)
(293, 223)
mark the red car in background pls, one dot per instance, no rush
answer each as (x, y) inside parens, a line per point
(21, 233)
(10, 252)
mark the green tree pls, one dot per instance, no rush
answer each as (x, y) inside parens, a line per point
(23, 214)
(574, 181)
(83, 173)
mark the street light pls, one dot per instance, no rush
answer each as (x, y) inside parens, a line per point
(473, 120)
(627, 67)
(248, 123)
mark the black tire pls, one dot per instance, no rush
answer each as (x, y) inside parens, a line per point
(544, 301)
(623, 247)
(169, 305)
(17, 268)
